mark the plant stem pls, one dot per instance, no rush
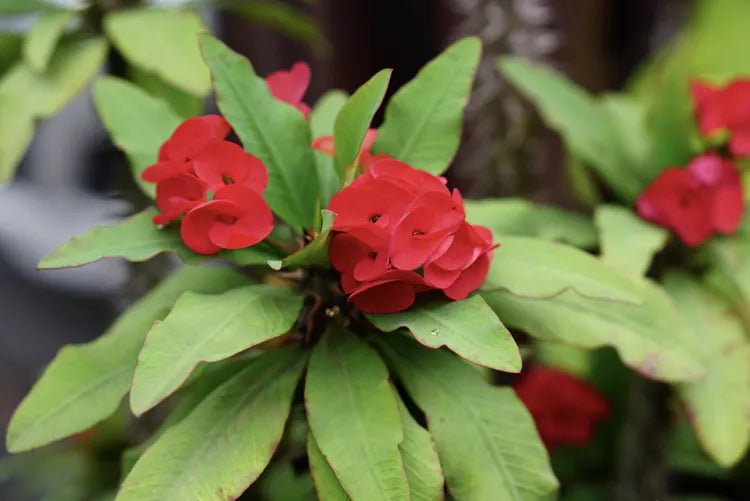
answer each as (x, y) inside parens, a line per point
(642, 471)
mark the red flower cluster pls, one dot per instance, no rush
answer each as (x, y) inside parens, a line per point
(214, 184)
(695, 202)
(394, 220)
(290, 86)
(565, 408)
(725, 108)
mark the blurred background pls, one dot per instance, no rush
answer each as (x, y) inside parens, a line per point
(71, 177)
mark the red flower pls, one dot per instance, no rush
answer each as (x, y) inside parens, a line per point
(724, 108)
(236, 218)
(325, 145)
(290, 86)
(393, 221)
(695, 202)
(566, 409)
(196, 161)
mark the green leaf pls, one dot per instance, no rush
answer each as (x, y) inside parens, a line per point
(469, 328)
(517, 217)
(651, 338)
(208, 328)
(226, 442)
(629, 121)
(137, 122)
(163, 42)
(420, 460)
(315, 253)
(280, 16)
(486, 439)
(135, 239)
(537, 268)
(280, 482)
(41, 40)
(354, 119)
(16, 132)
(353, 415)
(628, 242)
(671, 124)
(84, 384)
(326, 483)
(731, 256)
(185, 104)
(719, 404)
(272, 130)
(322, 119)
(584, 124)
(23, 6)
(423, 120)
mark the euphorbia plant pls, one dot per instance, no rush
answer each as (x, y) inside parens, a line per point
(356, 315)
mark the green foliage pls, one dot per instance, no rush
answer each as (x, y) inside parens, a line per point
(718, 404)
(162, 42)
(23, 6)
(517, 217)
(354, 119)
(326, 483)
(84, 384)
(137, 123)
(313, 254)
(420, 459)
(486, 439)
(424, 118)
(536, 268)
(354, 417)
(185, 104)
(585, 125)
(41, 40)
(208, 328)
(270, 129)
(469, 328)
(651, 337)
(226, 442)
(322, 119)
(627, 241)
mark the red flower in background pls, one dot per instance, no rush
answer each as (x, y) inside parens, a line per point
(566, 409)
(704, 198)
(325, 145)
(290, 86)
(394, 221)
(724, 108)
(195, 162)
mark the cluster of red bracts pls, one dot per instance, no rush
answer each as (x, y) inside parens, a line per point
(706, 197)
(213, 184)
(394, 221)
(566, 409)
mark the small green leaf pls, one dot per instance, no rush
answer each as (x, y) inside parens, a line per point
(719, 404)
(186, 105)
(269, 129)
(163, 42)
(135, 239)
(537, 268)
(84, 384)
(651, 337)
(16, 132)
(627, 241)
(41, 40)
(486, 439)
(23, 6)
(469, 328)
(731, 256)
(280, 16)
(326, 483)
(424, 118)
(322, 119)
(137, 122)
(313, 254)
(222, 447)
(584, 124)
(208, 328)
(517, 217)
(420, 460)
(353, 415)
(354, 119)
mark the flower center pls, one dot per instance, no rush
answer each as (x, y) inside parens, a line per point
(226, 219)
(374, 218)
